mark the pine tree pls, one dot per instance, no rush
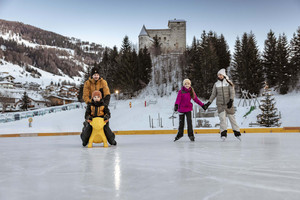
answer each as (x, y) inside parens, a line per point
(104, 65)
(237, 65)
(223, 52)
(295, 59)
(283, 65)
(209, 65)
(269, 116)
(247, 71)
(25, 101)
(127, 79)
(113, 60)
(191, 59)
(144, 67)
(269, 62)
(204, 59)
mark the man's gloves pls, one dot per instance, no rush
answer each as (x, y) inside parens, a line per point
(205, 106)
(229, 104)
(176, 107)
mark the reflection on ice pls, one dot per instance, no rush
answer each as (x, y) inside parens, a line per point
(117, 173)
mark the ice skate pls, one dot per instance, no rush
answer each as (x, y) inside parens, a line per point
(177, 138)
(237, 134)
(192, 138)
(224, 135)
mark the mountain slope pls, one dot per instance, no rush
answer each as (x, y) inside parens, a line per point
(28, 45)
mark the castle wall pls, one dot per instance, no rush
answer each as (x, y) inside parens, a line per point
(172, 39)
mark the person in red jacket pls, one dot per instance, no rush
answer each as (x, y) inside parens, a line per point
(184, 106)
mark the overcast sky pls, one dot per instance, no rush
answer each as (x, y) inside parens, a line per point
(106, 22)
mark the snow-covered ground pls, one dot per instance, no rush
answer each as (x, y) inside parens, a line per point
(137, 117)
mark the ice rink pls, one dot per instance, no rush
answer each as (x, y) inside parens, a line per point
(261, 166)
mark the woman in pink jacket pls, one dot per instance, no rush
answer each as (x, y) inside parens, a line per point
(184, 106)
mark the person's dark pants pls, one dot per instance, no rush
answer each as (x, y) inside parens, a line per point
(189, 125)
(109, 134)
(87, 130)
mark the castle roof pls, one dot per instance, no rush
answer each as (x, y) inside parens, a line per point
(143, 32)
(177, 20)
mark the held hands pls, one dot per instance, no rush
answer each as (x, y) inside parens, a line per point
(205, 106)
(229, 104)
(176, 107)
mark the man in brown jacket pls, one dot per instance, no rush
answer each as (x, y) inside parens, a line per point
(96, 83)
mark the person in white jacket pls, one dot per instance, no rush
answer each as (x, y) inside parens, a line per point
(223, 91)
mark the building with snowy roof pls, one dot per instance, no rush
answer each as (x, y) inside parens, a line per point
(172, 39)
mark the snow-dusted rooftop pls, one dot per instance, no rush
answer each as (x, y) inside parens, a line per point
(143, 31)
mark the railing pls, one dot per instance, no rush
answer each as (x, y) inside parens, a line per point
(8, 117)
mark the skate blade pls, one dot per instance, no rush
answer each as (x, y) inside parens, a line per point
(239, 138)
(223, 139)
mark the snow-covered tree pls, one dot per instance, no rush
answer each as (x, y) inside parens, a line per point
(269, 116)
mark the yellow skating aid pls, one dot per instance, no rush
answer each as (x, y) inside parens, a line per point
(97, 135)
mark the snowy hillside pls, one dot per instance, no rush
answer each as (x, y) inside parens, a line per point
(23, 76)
(26, 45)
(137, 117)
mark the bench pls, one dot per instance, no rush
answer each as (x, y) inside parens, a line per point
(251, 124)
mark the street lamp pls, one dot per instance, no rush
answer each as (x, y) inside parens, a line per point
(117, 92)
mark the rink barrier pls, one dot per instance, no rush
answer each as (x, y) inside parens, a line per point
(158, 132)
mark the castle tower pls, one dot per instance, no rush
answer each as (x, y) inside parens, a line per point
(144, 38)
(178, 35)
(173, 39)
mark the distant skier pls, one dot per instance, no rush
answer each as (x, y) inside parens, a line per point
(184, 106)
(223, 90)
(97, 108)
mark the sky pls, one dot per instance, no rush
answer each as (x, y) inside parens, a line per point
(107, 22)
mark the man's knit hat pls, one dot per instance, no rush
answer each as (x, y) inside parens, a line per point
(95, 70)
(97, 93)
(187, 81)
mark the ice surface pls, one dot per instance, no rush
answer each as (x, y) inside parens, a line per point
(261, 166)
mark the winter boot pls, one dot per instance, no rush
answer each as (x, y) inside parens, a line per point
(224, 135)
(192, 138)
(237, 134)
